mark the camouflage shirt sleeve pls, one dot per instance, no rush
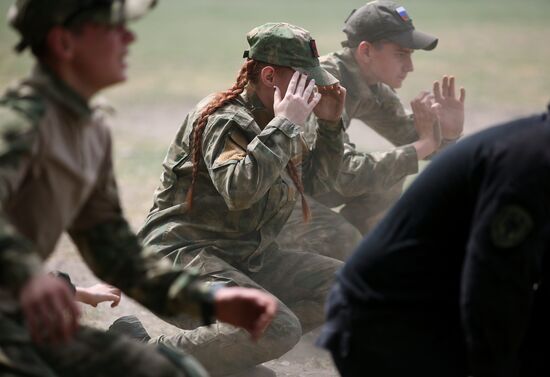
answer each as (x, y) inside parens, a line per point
(322, 163)
(363, 173)
(385, 114)
(18, 117)
(241, 170)
(114, 254)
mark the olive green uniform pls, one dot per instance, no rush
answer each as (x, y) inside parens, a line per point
(368, 183)
(56, 174)
(242, 198)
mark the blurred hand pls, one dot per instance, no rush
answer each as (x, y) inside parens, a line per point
(251, 309)
(98, 293)
(331, 105)
(299, 99)
(451, 109)
(425, 112)
(50, 311)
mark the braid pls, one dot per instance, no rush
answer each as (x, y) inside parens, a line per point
(293, 172)
(249, 73)
(219, 100)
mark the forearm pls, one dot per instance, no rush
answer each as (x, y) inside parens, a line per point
(363, 173)
(114, 254)
(323, 164)
(18, 259)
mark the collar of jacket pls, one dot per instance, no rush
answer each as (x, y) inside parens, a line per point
(262, 115)
(47, 82)
(356, 86)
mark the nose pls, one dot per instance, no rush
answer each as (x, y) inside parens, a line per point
(409, 64)
(128, 35)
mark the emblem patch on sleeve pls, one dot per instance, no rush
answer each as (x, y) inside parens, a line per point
(510, 226)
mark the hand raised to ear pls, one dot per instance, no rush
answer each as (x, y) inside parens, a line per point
(298, 102)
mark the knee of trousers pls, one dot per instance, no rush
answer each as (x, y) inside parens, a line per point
(281, 335)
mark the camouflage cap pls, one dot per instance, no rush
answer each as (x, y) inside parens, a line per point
(382, 19)
(288, 46)
(33, 18)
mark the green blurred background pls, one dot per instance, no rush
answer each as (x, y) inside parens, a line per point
(498, 49)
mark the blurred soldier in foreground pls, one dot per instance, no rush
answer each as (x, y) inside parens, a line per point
(375, 61)
(230, 180)
(429, 295)
(56, 174)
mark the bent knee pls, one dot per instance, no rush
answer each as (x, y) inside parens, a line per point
(282, 334)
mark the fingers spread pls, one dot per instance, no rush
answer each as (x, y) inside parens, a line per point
(277, 96)
(309, 89)
(437, 91)
(451, 93)
(462, 95)
(301, 84)
(293, 83)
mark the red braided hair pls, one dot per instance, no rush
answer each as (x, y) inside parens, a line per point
(249, 73)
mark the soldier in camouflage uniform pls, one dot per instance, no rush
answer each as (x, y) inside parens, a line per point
(56, 174)
(230, 180)
(374, 62)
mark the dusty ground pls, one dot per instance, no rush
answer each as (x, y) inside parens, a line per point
(137, 179)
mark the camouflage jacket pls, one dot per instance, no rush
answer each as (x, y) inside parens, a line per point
(380, 109)
(56, 174)
(243, 194)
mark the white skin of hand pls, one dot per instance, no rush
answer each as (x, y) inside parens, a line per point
(332, 103)
(426, 123)
(98, 293)
(451, 108)
(50, 311)
(251, 309)
(298, 101)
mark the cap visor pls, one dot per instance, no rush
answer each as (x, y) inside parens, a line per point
(415, 40)
(321, 76)
(135, 9)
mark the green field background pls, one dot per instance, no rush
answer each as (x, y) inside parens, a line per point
(498, 49)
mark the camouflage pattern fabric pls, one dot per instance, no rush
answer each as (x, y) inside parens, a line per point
(327, 233)
(243, 197)
(368, 183)
(300, 281)
(55, 159)
(288, 46)
(92, 353)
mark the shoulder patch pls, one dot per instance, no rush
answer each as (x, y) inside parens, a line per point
(234, 149)
(510, 226)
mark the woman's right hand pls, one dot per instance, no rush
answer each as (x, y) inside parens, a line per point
(298, 101)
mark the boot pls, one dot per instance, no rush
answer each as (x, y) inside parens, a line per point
(130, 326)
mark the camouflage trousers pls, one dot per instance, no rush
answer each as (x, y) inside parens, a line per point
(91, 353)
(327, 233)
(336, 234)
(300, 281)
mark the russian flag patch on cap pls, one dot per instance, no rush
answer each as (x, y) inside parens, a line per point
(403, 13)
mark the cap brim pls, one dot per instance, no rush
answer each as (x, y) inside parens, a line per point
(415, 40)
(320, 75)
(135, 9)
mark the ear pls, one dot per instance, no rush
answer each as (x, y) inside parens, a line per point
(60, 43)
(365, 49)
(267, 76)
